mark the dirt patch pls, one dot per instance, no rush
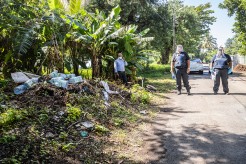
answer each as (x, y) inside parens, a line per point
(240, 68)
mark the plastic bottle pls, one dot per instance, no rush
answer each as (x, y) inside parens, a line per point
(20, 89)
(173, 75)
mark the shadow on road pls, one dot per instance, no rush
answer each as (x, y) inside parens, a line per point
(200, 143)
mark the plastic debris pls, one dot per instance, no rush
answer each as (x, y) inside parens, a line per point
(105, 95)
(55, 79)
(106, 104)
(106, 87)
(54, 74)
(229, 71)
(49, 135)
(56, 118)
(151, 87)
(61, 83)
(19, 77)
(84, 133)
(213, 76)
(144, 112)
(20, 89)
(68, 76)
(87, 124)
(4, 106)
(28, 84)
(61, 113)
(75, 80)
(173, 75)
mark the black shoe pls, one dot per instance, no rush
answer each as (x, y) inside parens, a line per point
(215, 93)
(227, 93)
(188, 93)
(178, 92)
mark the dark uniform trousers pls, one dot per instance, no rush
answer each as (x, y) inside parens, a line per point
(221, 73)
(123, 77)
(182, 73)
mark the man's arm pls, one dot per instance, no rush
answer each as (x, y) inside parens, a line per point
(212, 63)
(126, 64)
(229, 61)
(188, 62)
(172, 64)
(188, 66)
(115, 67)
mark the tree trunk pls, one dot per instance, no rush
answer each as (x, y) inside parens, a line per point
(165, 55)
(95, 65)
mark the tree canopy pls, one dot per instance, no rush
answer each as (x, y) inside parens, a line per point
(63, 35)
(237, 8)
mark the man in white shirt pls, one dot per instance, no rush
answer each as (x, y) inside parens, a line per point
(119, 67)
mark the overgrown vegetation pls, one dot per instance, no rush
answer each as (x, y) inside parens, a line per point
(52, 133)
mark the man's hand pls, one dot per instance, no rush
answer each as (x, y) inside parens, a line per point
(188, 70)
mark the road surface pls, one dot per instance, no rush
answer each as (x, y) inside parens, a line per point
(202, 128)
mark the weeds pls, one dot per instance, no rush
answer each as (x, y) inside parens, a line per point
(74, 113)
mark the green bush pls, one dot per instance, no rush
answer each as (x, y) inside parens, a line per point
(11, 115)
(73, 113)
(139, 94)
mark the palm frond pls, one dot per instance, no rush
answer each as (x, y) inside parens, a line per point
(56, 4)
(75, 6)
(27, 39)
(143, 39)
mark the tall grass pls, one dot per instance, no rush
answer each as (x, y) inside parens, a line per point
(155, 71)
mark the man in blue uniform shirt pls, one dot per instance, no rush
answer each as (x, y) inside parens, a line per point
(181, 63)
(220, 64)
(119, 67)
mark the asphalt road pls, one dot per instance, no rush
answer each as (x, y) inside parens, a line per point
(201, 128)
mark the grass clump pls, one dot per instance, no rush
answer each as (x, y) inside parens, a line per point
(74, 113)
(11, 115)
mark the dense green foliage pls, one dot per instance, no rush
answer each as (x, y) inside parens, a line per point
(237, 8)
(64, 35)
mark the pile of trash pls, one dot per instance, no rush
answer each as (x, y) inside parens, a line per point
(53, 90)
(240, 68)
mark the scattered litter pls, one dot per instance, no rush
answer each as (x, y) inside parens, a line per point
(4, 106)
(84, 134)
(22, 77)
(23, 87)
(56, 118)
(106, 87)
(61, 113)
(107, 104)
(49, 135)
(151, 87)
(19, 77)
(105, 95)
(55, 79)
(144, 112)
(88, 124)
(75, 80)
(30, 75)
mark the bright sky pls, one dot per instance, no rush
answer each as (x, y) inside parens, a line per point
(222, 28)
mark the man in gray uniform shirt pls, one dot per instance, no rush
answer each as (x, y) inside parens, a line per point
(219, 65)
(181, 63)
